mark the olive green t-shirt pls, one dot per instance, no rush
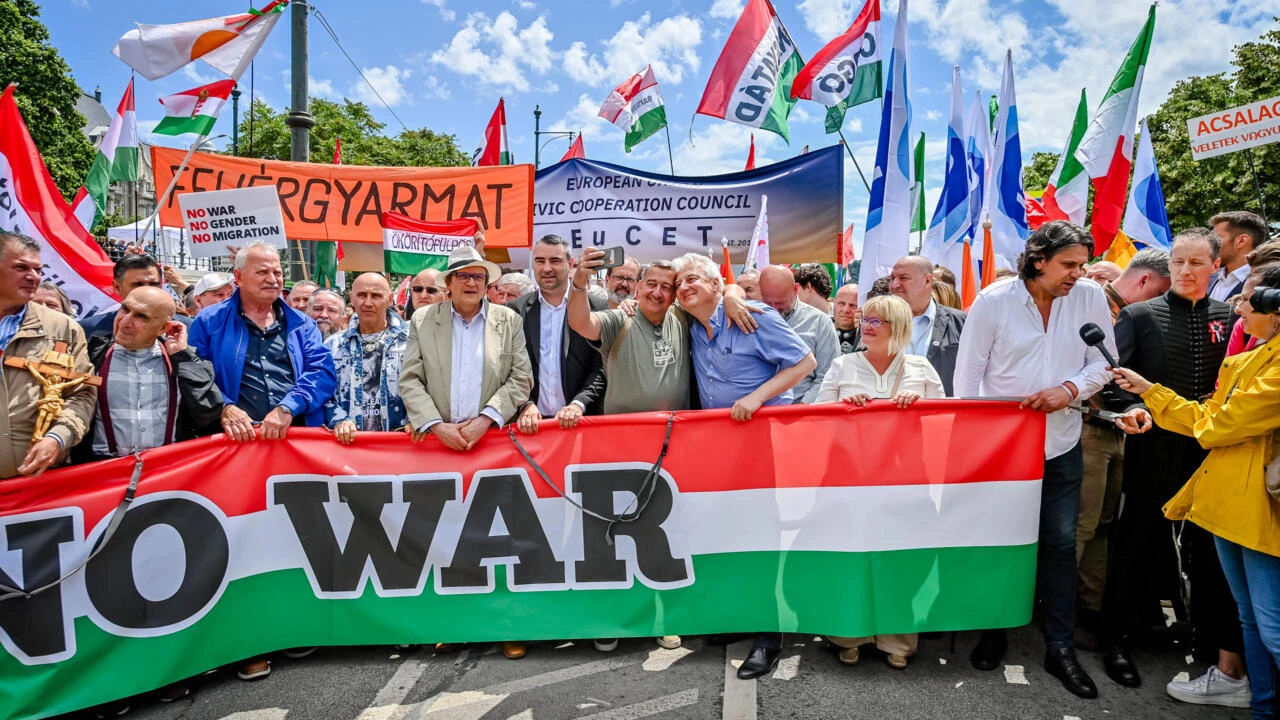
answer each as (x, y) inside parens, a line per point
(647, 368)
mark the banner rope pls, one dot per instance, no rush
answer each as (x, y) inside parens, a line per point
(117, 517)
(642, 495)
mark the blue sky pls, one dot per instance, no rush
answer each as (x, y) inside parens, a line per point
(443, 64)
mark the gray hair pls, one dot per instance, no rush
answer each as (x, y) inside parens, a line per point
(311, 301)
(660, 264)
(703, 265)
(1153, 259)
(242, 255)
(23, 242)
(520, 279)
(1201, 233)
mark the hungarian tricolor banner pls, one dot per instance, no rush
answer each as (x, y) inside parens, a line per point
(751, 82)
(117, 156)
(195, 110)
(826, 519)
(227, 43)
(1106, 151)
(495, 150)
(410, 246)
(34, 207)
(636, 107)
(1067, 193)
(846, 72)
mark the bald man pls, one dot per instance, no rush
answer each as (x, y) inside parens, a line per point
(155, 389)
(367, 352)
(847, 318)
(935, 329)
(780, 291)
(1103, 272)
(424, 291)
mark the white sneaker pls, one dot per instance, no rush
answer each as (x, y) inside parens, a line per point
(670, 642)
(606, 644)
(1212, 688)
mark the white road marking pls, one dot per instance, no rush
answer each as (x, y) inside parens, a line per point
(386, 704)
(467, 705)
(739, 695)
(523, 715)
(644, 709)
(1015, 675)
(788, 667)
(1070, 717)
(274, 713)
(661, 659)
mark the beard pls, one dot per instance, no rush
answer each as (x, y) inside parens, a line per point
(618, 296)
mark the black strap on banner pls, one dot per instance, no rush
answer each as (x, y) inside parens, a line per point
(642, 495)
(117, 516)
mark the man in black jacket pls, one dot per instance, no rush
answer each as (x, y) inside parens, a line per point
(935, 328)
(130, 272)
(1179, 340)
(155, 389)
(568, 374)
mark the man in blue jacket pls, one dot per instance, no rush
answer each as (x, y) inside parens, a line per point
(269, 360)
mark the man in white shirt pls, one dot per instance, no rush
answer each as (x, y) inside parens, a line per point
(1022, 339)
(1240, 233)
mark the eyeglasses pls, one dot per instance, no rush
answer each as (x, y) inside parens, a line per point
(875, 322)
(429, 289)
(471, 277)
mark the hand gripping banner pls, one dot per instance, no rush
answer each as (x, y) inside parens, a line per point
(823, 519)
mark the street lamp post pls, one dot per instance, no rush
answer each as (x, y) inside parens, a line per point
(235, 119)
(538, 133)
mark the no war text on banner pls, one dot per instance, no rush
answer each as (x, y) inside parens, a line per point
(223, 218)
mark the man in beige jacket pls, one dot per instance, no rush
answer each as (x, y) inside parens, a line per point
(465, 367)
(27, 331)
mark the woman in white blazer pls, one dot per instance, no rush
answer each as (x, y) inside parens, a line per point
(882, 371)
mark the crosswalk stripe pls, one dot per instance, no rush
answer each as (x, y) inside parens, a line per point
(739, 695)
(644, 709)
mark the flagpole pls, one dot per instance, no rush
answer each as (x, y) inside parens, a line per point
(848, 149)
(671, 157)
(173, 182)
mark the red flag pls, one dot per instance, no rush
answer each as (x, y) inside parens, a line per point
(988, 258)
(401, 295)
(1037, 215)
(751, 156)
(495, 150)
(575, 150)
(845, 252)
(337, 160)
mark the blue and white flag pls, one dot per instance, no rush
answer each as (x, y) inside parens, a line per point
(1145, 220)
(950, 227)
(889, 212)
(1005, 201)
(978, 155)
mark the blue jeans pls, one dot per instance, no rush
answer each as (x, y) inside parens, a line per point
(1254, 578)
(1056, 572)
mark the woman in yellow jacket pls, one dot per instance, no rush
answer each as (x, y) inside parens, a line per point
(1228, 496)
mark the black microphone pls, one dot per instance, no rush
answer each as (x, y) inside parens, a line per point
(1093, 336)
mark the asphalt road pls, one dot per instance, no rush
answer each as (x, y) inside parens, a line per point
(640, 680)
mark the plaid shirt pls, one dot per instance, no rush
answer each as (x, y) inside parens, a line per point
(138, 395)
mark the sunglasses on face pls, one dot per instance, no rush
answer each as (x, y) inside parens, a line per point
(430, 290)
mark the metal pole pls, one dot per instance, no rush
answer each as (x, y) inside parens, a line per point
(299, 120)
(670, 156)
(537, 130)
(235, 120)
(1257, 186)
(173, 182)
(848, 149)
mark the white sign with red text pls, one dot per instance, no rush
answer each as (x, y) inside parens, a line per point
(1227, 131)
(218, 219)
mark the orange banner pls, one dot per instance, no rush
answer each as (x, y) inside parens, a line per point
(346, 202)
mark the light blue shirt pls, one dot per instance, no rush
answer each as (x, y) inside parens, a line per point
(9, 326)
(922, 330)
(731, 364)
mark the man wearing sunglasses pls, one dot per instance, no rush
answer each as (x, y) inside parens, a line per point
(424, 291)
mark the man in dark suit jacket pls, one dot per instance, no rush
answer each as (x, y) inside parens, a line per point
(935, 328)
(568, 374)
(130, 272)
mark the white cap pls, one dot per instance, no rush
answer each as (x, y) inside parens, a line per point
(212, 281)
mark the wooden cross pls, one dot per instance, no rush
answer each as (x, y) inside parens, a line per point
(56, 372)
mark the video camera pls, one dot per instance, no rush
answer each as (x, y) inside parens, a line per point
(1265, 300)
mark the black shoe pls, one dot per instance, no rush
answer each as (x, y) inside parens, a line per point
(990, 650)
(1062, 664)
(760, 662)
(725, 638)
(1120, 668)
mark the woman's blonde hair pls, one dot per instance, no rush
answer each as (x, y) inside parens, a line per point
(945, 294)
(895, 311)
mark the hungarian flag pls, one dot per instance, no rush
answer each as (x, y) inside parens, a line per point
(1067, 194)
(329, 252)
(495, 150)
(751, 155)
(846, 72)
(227, 43)
(576, 150)
(636, 107)
(410, 246)
(1106, 150)
(919, 216)
(401, 295)
(195, 110)
(117, 156)
(758, 253)
(751, 82)
(34, 207)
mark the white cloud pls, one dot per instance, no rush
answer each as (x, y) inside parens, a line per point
(84, 4)
(445, 13)
(721, 147)
(670, 45)
(584, 118)
(498, 52)
(828, 18)
(437, 90)
(726, 9)
(387, 81)
(525, 4)
(192, 73)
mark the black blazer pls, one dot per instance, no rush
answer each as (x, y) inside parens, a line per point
(944, 344)
(581, 366)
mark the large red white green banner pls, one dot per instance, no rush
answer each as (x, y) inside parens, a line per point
(822, 519)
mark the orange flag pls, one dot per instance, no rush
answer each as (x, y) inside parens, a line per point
(968, 286)
(726, 267)
(988, 257)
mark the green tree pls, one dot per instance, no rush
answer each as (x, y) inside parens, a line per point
(1035, 177)
(46, 93)
(1196, 190)
(264, 134)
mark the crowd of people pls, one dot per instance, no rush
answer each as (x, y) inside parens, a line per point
(1157, 471)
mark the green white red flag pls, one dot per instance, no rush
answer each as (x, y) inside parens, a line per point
(117, 156)
(636, 107)
(1106, 150)
(495, 150)
(195, 110)
(1067, 194)
(846, 72)
(410, 246)
(751, 82)
(227, 43)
